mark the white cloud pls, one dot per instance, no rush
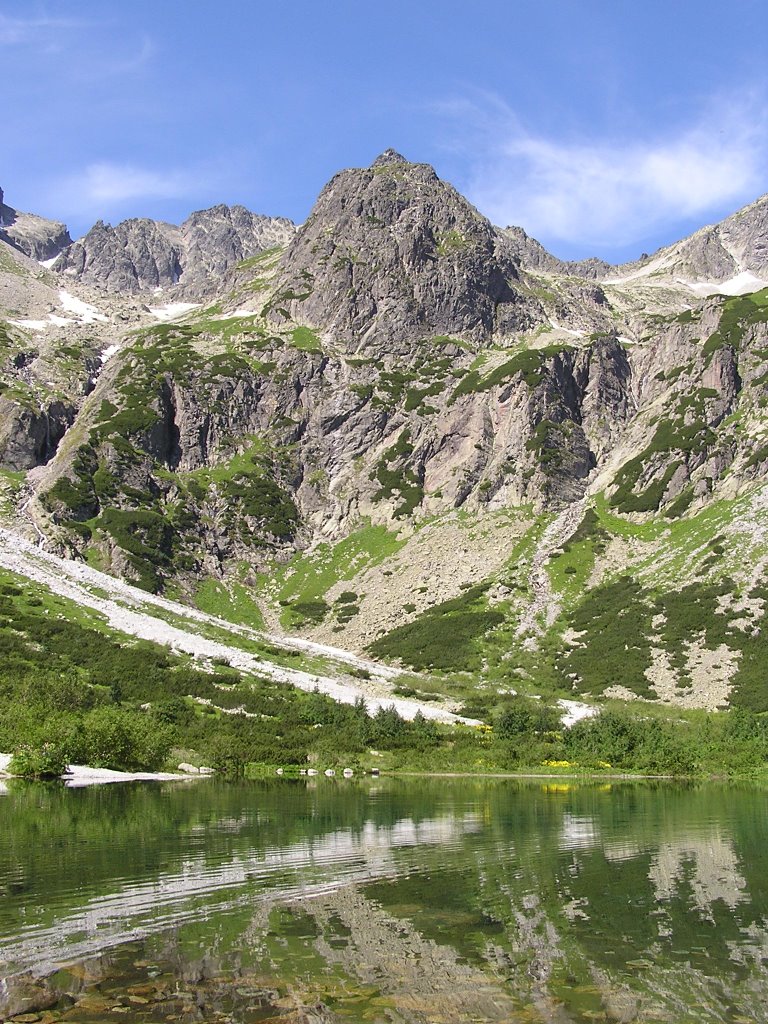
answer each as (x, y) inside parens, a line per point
(613, 192)
(104, 184)
(111, 191)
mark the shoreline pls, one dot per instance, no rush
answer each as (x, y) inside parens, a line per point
(78, 775)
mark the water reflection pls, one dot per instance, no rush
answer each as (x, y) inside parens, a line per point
(516, 901)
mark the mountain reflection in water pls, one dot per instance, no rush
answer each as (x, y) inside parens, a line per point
(393, 900)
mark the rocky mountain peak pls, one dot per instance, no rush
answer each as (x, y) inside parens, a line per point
(392, 252)
(389, 156)
(140, 255)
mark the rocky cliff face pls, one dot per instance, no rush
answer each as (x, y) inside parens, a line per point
(144, 255)
(34, 236)
(398, 364)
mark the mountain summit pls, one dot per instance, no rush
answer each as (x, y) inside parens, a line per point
(392, 252)
(389, 156)
(142, 255)
(34, 236)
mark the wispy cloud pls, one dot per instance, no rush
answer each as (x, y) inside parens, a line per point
(137, 60)
(91, 48)
(111, 191)
(612, 192)
(103, 188)
(20, 31)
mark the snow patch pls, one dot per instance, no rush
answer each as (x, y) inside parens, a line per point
(49, 263)
(82, 775)
(741, 284)
(235, 314)
(567, 330)
(31, 325)
(86, 313)
(108, 352)
(172, 310)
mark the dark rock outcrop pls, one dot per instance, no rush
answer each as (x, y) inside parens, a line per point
(29, 437)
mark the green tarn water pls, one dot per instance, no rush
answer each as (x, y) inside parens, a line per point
(384, 901)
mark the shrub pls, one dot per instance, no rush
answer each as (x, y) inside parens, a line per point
(48, 761)
(124, 740)
(524, 715)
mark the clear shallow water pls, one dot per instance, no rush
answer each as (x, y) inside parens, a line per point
(387, 900)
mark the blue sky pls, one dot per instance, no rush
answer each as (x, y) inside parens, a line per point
(605, 128)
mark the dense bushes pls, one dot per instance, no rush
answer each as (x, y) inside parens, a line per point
(701, 742)
(630, 742)
(47, 761)
(522, 715)
(445, 637)
(112, 737)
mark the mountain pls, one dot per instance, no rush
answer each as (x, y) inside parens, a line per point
(404, 430)
(143, 255)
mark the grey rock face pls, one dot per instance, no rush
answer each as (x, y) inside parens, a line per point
(532, 255)
(35, 236)
(717, 252)
(739, 243)
(449, 363)
(29, 438)
(213, 241)
(137, 255)
(143, 255)
(391, 252)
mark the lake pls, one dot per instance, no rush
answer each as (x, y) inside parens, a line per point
(384, 900)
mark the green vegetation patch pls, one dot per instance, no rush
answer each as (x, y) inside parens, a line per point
(146, 537)
(266, 256)
(530, 364)
(229, 600)
(310, 576)
(548, 442)
(738, 313)
(687, 434)
(450, 242)
(306, 340)
(399, 481)
(615, 649)
(77, 493)
(445, 637)
(570, 568)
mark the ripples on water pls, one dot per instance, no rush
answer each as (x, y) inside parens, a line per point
(388, 900)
